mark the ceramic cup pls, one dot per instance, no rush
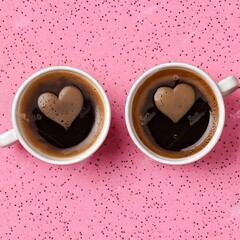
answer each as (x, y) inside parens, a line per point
(219, 90)
(16, 134)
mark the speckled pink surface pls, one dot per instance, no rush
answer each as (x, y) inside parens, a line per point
(119, 193)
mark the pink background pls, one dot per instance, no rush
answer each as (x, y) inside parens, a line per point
(119, 193)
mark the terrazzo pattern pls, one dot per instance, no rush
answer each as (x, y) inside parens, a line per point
(119, 193)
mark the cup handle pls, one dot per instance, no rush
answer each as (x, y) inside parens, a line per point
(228, 85)
(8, 138)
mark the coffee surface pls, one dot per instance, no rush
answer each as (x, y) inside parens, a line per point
(170, 137)
(63, 114)
(60, 137)
(187, 131)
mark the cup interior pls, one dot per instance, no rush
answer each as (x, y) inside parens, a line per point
(69, 155)
(141, 90)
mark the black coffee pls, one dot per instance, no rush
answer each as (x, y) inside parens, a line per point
(162, 135)
(57, 135)
(177, 136)
(49, 136)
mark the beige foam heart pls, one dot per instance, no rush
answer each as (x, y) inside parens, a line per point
(175, 103)
(64, 108)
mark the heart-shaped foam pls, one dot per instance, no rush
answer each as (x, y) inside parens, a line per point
(63, 109)
(174, 102)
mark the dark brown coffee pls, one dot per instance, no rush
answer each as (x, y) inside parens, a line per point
(159, 133)
(47, 135)
(182, 134)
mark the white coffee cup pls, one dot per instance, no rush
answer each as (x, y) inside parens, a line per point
(220, 90)
(16, 134)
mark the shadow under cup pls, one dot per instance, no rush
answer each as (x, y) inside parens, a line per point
(140, 99)
(53, 80)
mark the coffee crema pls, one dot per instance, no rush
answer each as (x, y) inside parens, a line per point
(145, 115)
(47, 136)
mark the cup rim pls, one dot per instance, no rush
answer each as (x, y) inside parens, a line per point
(136, 139)
(83, 155)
